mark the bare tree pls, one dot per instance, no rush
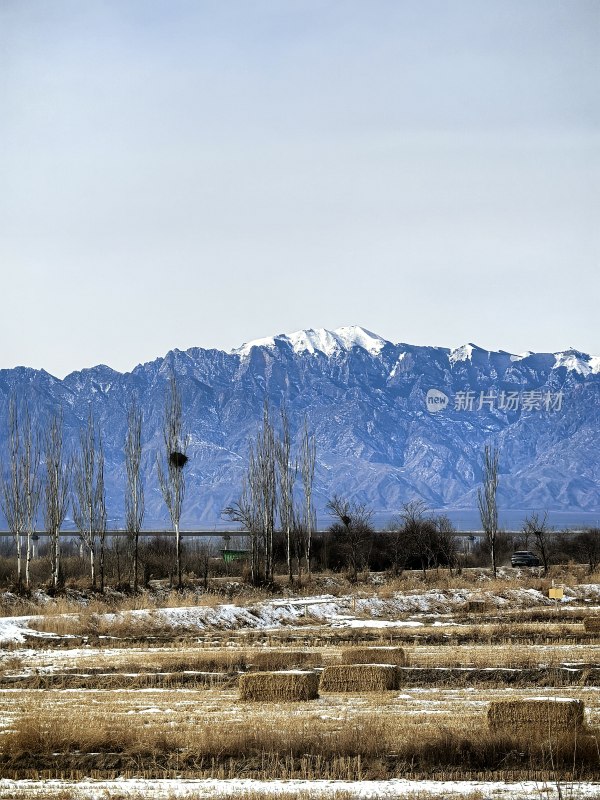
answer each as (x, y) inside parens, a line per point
(587, 547)
(21, 485)
(89, 510)
(539, 529)
(286, 474)
(257, 506)
(447, 541)
(172, 481)
(486, 500)
(308, 455)
(298, 538)
(31, 485)
(354, 531)
(134, 494)
(56, 492)
(263, 487)
(420, 534)
(397, 545)
(13, 502)
(100, 502)
(244, 512)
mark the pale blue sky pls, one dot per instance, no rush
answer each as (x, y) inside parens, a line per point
(177, 174)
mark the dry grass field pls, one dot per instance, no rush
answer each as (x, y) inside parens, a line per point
(201, 692)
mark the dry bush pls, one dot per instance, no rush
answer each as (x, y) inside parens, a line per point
(509, 656)
(226, 661)
(541, 715)
(11, 663)
(44, 734)
(355, 748)
(476, 606)
(83, 623)
(279, 686)
(359, 678)
(284, 659)
(92, 623)
(121, 681)
(375, 655)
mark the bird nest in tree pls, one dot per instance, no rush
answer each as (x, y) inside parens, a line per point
(177, 459)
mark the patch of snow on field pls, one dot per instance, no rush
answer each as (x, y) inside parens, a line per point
(15, 629)
(347, 610)
(362, 790)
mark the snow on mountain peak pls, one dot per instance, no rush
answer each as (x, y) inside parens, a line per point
(314, 341)
(355, 336)
(463, 353)
(321, 340)
(574, 361)
(245, 349)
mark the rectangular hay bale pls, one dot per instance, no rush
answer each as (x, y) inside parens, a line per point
(542, 714)
(273, 660)
(592, 624)
(374, 655)
(279, 686)
(359, 678)
(476, 606)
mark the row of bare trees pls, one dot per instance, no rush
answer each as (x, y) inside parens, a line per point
(268, 499)
(40, 472)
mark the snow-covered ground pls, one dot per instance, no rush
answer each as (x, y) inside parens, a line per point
(330, 610)
(367, 609)
(365, 790)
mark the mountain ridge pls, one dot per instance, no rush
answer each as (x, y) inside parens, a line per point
(379, 440)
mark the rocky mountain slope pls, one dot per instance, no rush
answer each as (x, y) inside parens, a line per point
(393, 422)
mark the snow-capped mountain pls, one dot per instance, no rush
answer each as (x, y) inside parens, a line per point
(393, 422)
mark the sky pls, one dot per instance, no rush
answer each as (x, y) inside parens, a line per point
(181, 173)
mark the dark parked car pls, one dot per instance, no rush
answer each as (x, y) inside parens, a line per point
(524, 558)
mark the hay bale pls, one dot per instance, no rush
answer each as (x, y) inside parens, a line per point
(592, 624)
(279, 686)
(476, 606)
(374, 655)
(272, 660)
(359, 678)
(542, 714)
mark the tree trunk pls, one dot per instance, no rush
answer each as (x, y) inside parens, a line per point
(27, 559)
(56, 559)
(93, 567)
(289, 557)
(178, 554)
(101, 564)
(19, 556)
(135, 562)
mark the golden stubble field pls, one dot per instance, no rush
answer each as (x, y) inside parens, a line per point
(119, 704)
